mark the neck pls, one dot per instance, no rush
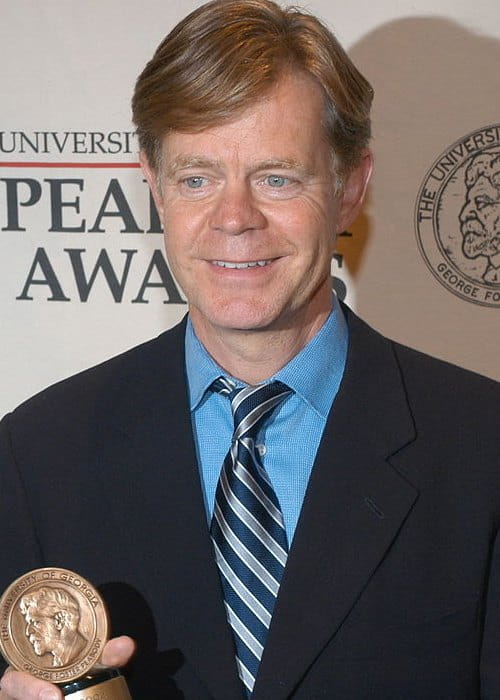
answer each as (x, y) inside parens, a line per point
(58, 654)
(255, 355)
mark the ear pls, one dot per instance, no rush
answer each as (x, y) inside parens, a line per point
(354, 191)
(151, 176)
(59, 620)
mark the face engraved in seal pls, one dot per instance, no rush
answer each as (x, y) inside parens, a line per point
(53, 625)
(480, 215)
(52, 618)
(457, 217)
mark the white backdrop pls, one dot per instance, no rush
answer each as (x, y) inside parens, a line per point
(73, 203)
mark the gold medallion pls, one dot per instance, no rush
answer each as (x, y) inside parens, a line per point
(53, 625)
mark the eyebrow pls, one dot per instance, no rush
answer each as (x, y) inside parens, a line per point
(280, 164)
(186, 162)
(190, 161)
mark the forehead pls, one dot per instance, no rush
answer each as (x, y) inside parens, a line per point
(285, 124)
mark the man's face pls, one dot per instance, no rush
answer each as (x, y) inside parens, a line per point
(480, 219)
(251, 215)
(42, 633)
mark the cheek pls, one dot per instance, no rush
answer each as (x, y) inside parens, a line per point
(493, 215)
(176, 235)
(310, 225)
(183, 226)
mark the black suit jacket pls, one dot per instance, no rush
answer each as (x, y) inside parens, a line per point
(392, 586)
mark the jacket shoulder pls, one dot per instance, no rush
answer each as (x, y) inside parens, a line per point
(435, 376)
(95, 387)
(418, 370)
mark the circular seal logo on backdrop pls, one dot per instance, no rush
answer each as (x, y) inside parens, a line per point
(457, 217)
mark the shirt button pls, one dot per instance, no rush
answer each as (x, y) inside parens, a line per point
(261, 449)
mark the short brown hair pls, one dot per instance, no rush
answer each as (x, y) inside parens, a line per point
(227, 54)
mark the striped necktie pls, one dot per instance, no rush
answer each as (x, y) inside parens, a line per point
(247, 527)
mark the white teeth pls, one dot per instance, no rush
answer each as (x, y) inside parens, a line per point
(241, 265)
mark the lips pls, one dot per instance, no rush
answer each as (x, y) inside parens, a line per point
(241, 265)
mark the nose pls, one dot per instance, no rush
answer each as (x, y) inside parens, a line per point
(236, 211)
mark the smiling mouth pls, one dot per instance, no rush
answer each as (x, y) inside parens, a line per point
(241, 265)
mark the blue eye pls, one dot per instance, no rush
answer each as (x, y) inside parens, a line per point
(277, 180)
(195, 182)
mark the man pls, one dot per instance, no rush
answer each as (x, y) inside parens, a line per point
(52, 619)
(382, 474)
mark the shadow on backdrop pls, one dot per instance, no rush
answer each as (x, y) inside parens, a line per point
(435, 81)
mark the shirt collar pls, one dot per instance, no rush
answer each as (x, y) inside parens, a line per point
(314, 373)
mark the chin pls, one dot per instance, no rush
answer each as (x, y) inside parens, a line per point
(240, 316)
(244, 323)
(248, 322)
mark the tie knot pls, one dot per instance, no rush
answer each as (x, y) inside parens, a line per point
(251, 404)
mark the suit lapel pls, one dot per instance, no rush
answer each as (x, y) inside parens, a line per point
(355, 505)
(164, 524)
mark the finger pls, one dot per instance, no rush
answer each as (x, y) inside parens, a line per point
(21, 686)
(117, 651)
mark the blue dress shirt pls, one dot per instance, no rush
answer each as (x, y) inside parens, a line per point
(289, 440)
